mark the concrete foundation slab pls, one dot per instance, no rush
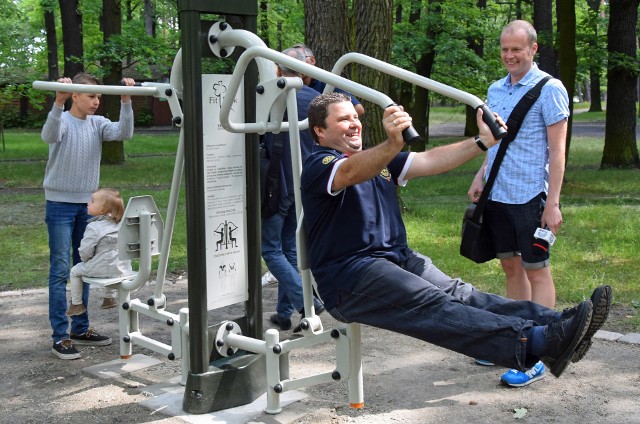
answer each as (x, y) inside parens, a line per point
(169, 399)
(119, 367)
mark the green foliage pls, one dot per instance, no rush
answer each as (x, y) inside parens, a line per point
(456, 65)
(18, 42)
(23, 53)
(20, 47)
(11, 119)
(134, 48)
(591, 38)
(10, 112)
(620, 62)
(145, 53)
(217, 65)
(596, 245)
(285, 20)
(143, 119)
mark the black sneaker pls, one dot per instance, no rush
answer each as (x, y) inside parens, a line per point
(568, 313)
(601, 300)
(91, 338)
(563, 336)
(283, 323)
(65, 350)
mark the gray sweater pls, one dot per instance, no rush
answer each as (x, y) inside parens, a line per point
(75, 149)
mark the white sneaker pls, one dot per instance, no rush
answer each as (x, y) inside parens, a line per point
(268, 279)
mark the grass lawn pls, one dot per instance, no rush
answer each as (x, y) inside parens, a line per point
(23, 234)
(596, 245)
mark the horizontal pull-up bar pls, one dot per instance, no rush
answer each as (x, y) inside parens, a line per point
(462, 96)
(122, 90)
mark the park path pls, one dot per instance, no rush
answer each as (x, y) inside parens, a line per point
(405, 380)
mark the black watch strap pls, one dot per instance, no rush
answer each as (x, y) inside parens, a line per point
(480, 144)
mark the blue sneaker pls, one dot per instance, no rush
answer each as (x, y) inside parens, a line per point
(484, 362)
(515, 378)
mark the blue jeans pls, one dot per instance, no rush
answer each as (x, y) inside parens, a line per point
(417, 299)
(66, 223)
(280, 254)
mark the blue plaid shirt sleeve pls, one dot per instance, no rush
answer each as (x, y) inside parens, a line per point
(525, 169)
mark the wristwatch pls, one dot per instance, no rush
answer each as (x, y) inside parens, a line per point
(480, 144)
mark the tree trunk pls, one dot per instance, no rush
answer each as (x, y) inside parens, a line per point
(374, 37)
(71, 37)
(113, 151)
(149, 21)
(477, 45)
(406, 95)
(568, 57)
(52, 40)
(543, 23)
(424, 67)
(596, 66)
(327, 30)
(595, 95)
(620, 148)
(264, 23)
(280, 46)
(518, 9)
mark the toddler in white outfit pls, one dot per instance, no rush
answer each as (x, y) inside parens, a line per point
(99, 249)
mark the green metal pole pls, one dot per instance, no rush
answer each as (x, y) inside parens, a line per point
(194, 186)
(254, 223)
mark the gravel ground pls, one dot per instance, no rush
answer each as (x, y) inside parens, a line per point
(405, 380)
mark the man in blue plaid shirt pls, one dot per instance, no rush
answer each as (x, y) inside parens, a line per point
(526, 192)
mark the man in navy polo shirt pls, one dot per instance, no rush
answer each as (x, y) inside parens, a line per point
(365, 271)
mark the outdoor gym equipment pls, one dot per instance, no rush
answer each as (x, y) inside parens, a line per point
(273, 96)
(232, 363)
(142, 234)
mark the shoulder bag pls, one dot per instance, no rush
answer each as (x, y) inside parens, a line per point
(476, 243)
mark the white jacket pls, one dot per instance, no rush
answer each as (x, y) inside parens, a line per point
(99, 249)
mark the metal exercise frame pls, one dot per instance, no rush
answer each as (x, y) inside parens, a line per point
(142, 214)
(273, 96)
(214, 385)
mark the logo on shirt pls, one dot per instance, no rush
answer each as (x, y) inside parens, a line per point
(327, 160)
(385, 174)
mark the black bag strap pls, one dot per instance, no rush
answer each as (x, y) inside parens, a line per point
(275, 157)
(513, 126)
(276, 153)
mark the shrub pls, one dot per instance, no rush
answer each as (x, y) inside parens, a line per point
(143, 119)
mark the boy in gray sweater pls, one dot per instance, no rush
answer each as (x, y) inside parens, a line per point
(72, 175)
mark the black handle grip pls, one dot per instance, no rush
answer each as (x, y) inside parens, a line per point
(410, 135)
(489, 118)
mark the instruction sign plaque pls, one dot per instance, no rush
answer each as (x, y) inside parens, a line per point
(225, 197)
